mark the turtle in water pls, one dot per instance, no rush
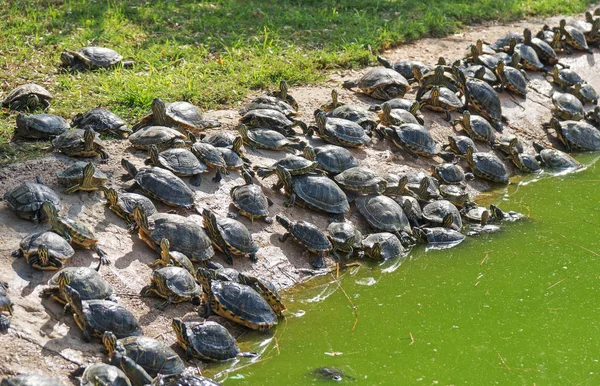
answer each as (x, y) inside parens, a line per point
(309, 236)
(27, 97)
(175, 284)
(439, 237)
(382, 246)
(92, 58)
(101, 121)
(331, 373)
(27, 198)
(380, 83)
(40, 126)
(44, 250)
(229, 236)
(345, 238)
(181, 116)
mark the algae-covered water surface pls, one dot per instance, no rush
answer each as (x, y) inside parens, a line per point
(516, 307)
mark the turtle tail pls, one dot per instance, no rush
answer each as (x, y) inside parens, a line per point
(350, 84)
(263, 172)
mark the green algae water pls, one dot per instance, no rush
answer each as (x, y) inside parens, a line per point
(516, 307)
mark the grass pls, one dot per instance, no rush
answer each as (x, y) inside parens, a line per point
(214, 53)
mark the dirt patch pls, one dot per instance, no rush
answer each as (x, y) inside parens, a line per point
(44, 339)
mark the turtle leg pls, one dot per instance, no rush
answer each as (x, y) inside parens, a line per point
(18, 253)
(166, 303)
(319, 262)
(284, 237)
(72, 189)
(45, 103)
(290, 201)
(83, 327)
(253, 257)
(412, 153)
(103, 258)
(134, 372)
(205, 310)
(447, 117)
(196, 180)
(132, 188)
(218, 177)
(228, 256)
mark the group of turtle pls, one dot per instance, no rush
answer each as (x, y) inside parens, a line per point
(400, 209)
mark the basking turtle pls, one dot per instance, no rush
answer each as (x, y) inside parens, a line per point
(234, 157)
(344, 237)
(209, 155)
(173, 258)
(269, 139)
(574, 37)
(122, 205)
(525, 162)
(101, 121)
(250, 201)
(175, 284)
(44, 250)
(219, 139)
(543, 50)
(441, 99)
(380, 83)
(272, 120)
(266, 289)
(73, 231)
(331, 158)
(585, 93)
(40, 126)
(207, 340)
(82, 176)
(396, 185)
(458, 144)
(80, 143)
(442, 213)
(411, 207)
(576, 135)
(366, 119)
(503, 41)
(95, 317)
(92, 58)
(507, 144)
(307, 235)
(5, 302)
(409, 105)
(30, 380)
(593, 116)
(384, 214)
(481, 96)
(456, 194)
(427, 189)
(185, 235)
(487, 166)
(450, 173)
(487, 75)
(99, 374)
(438, 237)
(86, 281)
(183, 380)
(294, 164)
(382, 246)
(554, 159)
(415, 140)
(337, 131)
(565, 78)
(404, 67)
(160, 184)
(477, 127)
(585, 26)
(528, 57)
(229, 236)
(283, 94)
(161, 136)
(389, 116)
(179, 161)
(267, 102)
(360, 180)
(27, 198)
(500, 215)
(179, 115)
(567, 107)
(438, 77)
(236, 302)
(335, 103)
(142, 358)
(512, 79)
(27, 97)
(486, 60)
(313, 191)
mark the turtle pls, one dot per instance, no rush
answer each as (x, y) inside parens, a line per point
(272, 120)
(44, 250)
(593, 36)
(269, 139)
(250, 201)
(573, 37)
(267, 102)
(142, 358)
(528, 57)
(585, 93)
(92, 58)
(380, 83)
(335, 103)
(266, 289)
(27, 198)
(175, 284)
(487, 166)
(161, 136)
(456, 194)
(234, 156)
(308, 236)
(576, 135)
(511, 79)
(409, 105)
(441, 99)
(450, 173)
(185, 234)
(229, 236)
(498, 214)
(294, 164)
(27, 97)
(313, 191)
(209, 155)
(82, 176)
(411, 207)
(565, 77)
(544, 51)
(283, 94)
(390, 117)
(384, 214)
(525, 162)
(585, 26)
(567, 107)
(30, 380)
(481, 96)
(548, 34)
(554, 159)
(331, 374)
(99, 374)
(101, 121)
(183, 380)
(404, 67)
(475, 213)
(442, 213)
(396, 185)
(80, 143)
(360, 180)
(5, 302)
(503, 41)
(180, 115)
(382, 246)
(122, 205)
(173, 258)
(486, 60)
(427, 188)
(331, 158)
(336, 131)
(73, 231)
(4, 324)
(94, 317)
(438, 77)
(86, 281)
(160, 184)
(179, 161)
(345, 238)
(415, 140)
(235, 301)
(593, 116)
(487, 75)
(366, 119)
(439, 237)
(220, 138)
(477, 127)
(40, 126)
(206, 340)
(507, 144)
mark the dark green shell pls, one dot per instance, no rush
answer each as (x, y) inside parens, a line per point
(165, 186)
(435, 211)
(27, 199)
(343, 132)
(87, 281)
(101, 120)
(484, 99)
(210, 340)
(236, 235)
(177, 280)
(40, 126)
(184, 234)
(580, 136)
(335, 159)
(160, 136)
(152, 355)
(383, 213)
(359, 180)
(309, 236)
(74, 173)
(249, 198)
(489, 166)
(57, 246)
(391, 246)
(321, 193)
(416, 138)
(105, 374)
(106, 315)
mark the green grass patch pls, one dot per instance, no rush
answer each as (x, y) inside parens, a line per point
(214, 53)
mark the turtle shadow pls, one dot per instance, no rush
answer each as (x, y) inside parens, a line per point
(140, 251)
(32, 276)
(297, 255)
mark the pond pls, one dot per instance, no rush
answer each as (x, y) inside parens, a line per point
(515, 307)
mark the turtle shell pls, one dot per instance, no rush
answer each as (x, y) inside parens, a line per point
(529, 57)
(417, 139)
(460, 143)
(383, 83)
(391, 246)
(106, 315)
(209, 340)
(383, 213)
(57, 246)
(481, 129)
(489, 166)
(292, 163)
(101, 120)
(586, 93)
(160, 136)
(208, 154)
(574, 37)
(580, 136)
(447, 99)
(237, 236)
(344, 133)
(127, 201)
(186, 115)
(21, 93)
(357, 114)
(442, 238)
(411, 208)
(484, 99)
(567, 105)
(249, 198)
(502, 42)
(435, 211)
(309, 236)
(27, 199)
(360, 180)
(516, 80)
(554, 159)
(181, 162)
(74, 174)
(267, 102)
(220, 139)
(165, 186)
(398, 117)
(449, 173)
(488, 76)
(341, 232)
(152, 355)
(232, 159)
(87, 281)
(184, 234)
(100, 57)
(335, 159)
(268, 139)
(404, 67)
(71, 141)
(183, 380)
(268, 119)
(566, 77)
(101, 373)
(40, 126)
(242, 304)
(30, 380)
(177, 280)
(5, 302)
(321, 193)
(474, 213)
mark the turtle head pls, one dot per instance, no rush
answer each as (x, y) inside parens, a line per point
(334, 98)
(66, 58)
(159, 111)
(283, 89)
(474, 51)
(33, 101)
(50, 210)
(321, 119)
(247, 177)
(447, 221)
(562, 24)
(417, 73)
(238, 142)
(467, 118)
(110, 342)
(309, 153)
(73, 297)
(205, 276)
(419, 234)
(140, 217)
(415, 107)
(386, 110)
(485, 216)
(210, 220)
(63, 280)
(43, 255)
(285, 177)
(439, 71)
(512, 43)
(496, 213)
(458, 74)
(181, 331)
(111, 196)
(376, 250)
(402, 182)
(469, 154)
(555, 124)
(538, 146)
(88, 138)
(479, 45)
(284, 221)
(129, 167)
(153, 154)
(500, 66)
(514, 60)
(243, 129)
(527, 35)
(589, 17)
(441, 61)
(88, 171)
(435, 93)
(423, 188)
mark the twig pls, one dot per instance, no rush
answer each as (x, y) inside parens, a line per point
(412, 338)
(503, 362)
(277, 345)
(354, 308)
(580, 246)
(557, 283)
(484, 259)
